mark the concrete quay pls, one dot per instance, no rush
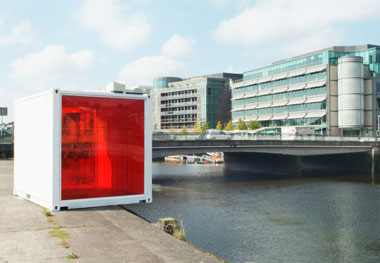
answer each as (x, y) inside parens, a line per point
(29, 233)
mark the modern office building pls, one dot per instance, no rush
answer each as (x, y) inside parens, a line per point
(180, 102)
(334, 90)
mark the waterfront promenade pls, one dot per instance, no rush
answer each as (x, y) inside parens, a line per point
(28, 233)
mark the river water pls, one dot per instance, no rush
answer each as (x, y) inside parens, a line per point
(243, 218)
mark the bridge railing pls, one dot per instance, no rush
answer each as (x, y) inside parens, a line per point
(255, 137)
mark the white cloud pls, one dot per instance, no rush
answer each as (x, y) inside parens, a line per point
(177, 46)
(239, 4)
(116, 28)
(52, 66)
(292, 21)
(143, 70)
(314, 41)
(21, 33)
(219, 3)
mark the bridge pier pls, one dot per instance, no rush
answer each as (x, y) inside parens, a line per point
(298, 162)
(375, 163)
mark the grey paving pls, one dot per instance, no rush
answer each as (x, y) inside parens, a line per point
(106, 234)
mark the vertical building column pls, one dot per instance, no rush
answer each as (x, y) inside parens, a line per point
(350, 93)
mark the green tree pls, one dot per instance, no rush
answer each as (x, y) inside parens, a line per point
(219, 126)
(196, 128)
(205, 127)
(241, 125)
(253, 125)
(171, 130)
(229, 126)
(184, 129)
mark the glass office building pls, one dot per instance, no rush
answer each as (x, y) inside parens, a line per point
(184, 102)
(333, 90)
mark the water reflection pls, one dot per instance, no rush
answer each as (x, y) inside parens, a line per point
(257, 217)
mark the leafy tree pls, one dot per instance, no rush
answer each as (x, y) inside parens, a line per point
(205, 127)
(171, 130)
(184, 129)
(229, 126)
(219, 126)
(196, 128)
(253, 125)
(241, 125)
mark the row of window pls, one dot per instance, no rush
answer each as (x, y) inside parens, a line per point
(167, 103)
(371, 57)
(216, 83)
(281, 82)
(317, 59)
(280, 109)
(281, 96)
(194, 107)
(191, 84)
(178, 125)
(181, 92)
(294, 122)
(173, 120)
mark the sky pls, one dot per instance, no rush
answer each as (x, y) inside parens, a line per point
(86, 44)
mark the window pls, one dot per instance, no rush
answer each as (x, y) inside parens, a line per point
(297, 107)
(280, 82)
(251, 100)
(264, 98)
(265, 111)
(297, 93)
(251, 112)
(281, 109)
(317, 106)
(237, 114)
(316, 76)
(316, 91)
(265, 85)
(237, 102)
(280, 96)
(297, 79)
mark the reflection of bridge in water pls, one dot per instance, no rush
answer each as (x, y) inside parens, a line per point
(302, 147)
(6, 150)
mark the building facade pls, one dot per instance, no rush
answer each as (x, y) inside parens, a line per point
(333, 90)
(180, 102)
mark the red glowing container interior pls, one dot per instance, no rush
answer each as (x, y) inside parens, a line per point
(102, 147)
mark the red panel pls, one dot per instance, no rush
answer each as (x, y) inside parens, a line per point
(102, 147)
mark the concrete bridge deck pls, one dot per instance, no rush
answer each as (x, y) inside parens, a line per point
(300, 147)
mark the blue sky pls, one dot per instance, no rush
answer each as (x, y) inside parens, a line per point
(85, 44)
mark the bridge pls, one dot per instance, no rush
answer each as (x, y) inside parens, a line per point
(240, 150)
(298, 146)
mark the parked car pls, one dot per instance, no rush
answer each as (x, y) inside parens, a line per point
(217, 135)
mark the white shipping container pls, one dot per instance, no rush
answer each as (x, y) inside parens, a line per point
(83, 149)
